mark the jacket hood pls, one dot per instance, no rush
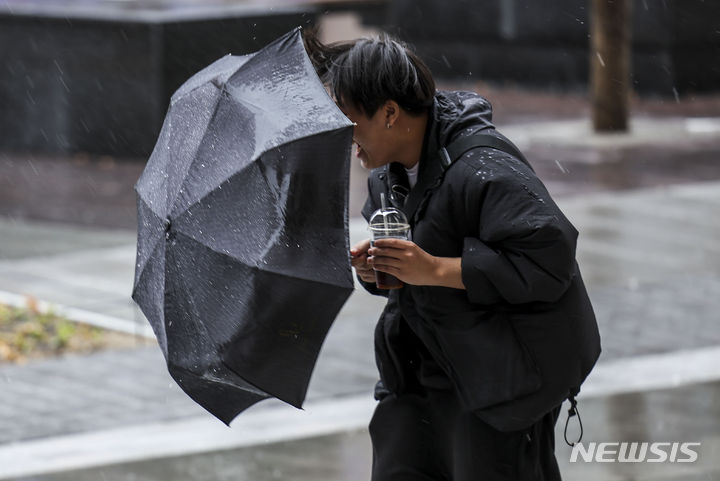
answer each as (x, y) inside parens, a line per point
(457, 114)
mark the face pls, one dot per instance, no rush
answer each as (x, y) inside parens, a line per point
(371, 136)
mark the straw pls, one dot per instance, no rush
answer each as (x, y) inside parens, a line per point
(383, 204)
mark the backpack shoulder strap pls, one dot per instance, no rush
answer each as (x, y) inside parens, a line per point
(457, 148)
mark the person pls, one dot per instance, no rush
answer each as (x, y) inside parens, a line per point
(492, 329)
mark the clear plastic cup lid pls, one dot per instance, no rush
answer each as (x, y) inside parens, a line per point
(388, 216)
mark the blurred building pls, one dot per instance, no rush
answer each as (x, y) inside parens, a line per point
(96, 75)
(545, 43)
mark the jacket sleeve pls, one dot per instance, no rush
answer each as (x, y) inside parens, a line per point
(525, 247)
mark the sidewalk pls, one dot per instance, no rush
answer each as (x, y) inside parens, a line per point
(649, 254)
(671, 415)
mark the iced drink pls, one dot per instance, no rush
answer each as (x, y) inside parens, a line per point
(383, 280)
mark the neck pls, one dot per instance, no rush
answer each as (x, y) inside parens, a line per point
(412, 131)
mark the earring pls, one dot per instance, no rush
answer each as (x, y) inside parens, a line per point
(388, 125)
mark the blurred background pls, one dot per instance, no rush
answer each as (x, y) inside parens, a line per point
(616, 103)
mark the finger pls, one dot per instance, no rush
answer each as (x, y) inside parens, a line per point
(395, 243)
(360, 248)
(359, 261)
(384, 261)
(386, 252)
(363, 267)
(389, 269)
(367, 275)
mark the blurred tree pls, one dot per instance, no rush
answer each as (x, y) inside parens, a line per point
(610, 34)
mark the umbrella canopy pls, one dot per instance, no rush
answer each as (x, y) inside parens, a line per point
(242, 253)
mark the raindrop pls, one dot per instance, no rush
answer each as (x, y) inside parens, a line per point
(676, 94)
(560, 166)
(447, 63)
(602, 63)
(32, 166)
(64, 84)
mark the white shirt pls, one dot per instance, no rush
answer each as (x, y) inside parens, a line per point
(412, 174)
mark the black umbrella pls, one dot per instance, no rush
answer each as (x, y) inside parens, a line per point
(242, 255)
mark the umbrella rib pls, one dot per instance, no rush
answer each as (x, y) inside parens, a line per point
(257, 267)
(214, 79)
(319, 132)
(251, 388)
(197, 149)
(283, 144)
(152, 250)
(142, 269)
(191, 301)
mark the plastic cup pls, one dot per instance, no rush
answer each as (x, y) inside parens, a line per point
(390, 230)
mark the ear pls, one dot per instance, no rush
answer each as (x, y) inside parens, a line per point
(391, 111)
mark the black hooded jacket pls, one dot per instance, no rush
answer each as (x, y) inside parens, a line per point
(522, 337)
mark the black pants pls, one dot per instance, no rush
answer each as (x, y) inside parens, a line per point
(427, 437)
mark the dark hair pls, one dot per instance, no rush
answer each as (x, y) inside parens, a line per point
(369, 71)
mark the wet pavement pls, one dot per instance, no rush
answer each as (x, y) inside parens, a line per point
(648, 209)
(689, 414)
